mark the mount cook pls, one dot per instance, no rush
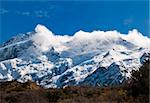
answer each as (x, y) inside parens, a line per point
(98, 58)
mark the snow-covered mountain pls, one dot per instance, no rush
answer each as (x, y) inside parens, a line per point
(98, 58)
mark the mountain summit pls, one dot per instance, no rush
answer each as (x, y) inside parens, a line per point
(95, 58)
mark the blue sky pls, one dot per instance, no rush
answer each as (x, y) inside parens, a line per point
(68, 17)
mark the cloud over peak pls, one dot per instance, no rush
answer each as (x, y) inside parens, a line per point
(44, 38)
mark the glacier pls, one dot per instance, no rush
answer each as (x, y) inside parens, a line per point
(98, 58)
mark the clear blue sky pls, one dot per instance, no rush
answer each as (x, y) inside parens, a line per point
(67, 17)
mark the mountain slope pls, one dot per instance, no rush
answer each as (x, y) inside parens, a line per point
(96, 58)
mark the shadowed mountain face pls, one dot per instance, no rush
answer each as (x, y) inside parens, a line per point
(97, 58)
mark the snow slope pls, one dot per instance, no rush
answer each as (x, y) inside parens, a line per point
(98, 58)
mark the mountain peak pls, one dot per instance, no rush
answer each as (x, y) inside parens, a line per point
(138, 39)
(42, 29)
(42, 37)
(94, 58)
(134, 34)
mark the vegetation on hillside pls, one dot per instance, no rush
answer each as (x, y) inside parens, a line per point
(135, 90)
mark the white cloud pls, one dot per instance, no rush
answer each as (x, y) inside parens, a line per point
(3, 11)
(38, 13)
(96, 35)
(128, 21)
(41, 14)
(44, 38)
(23, 13)
(137, 38)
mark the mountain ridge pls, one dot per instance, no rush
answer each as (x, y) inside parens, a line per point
(57, 61)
